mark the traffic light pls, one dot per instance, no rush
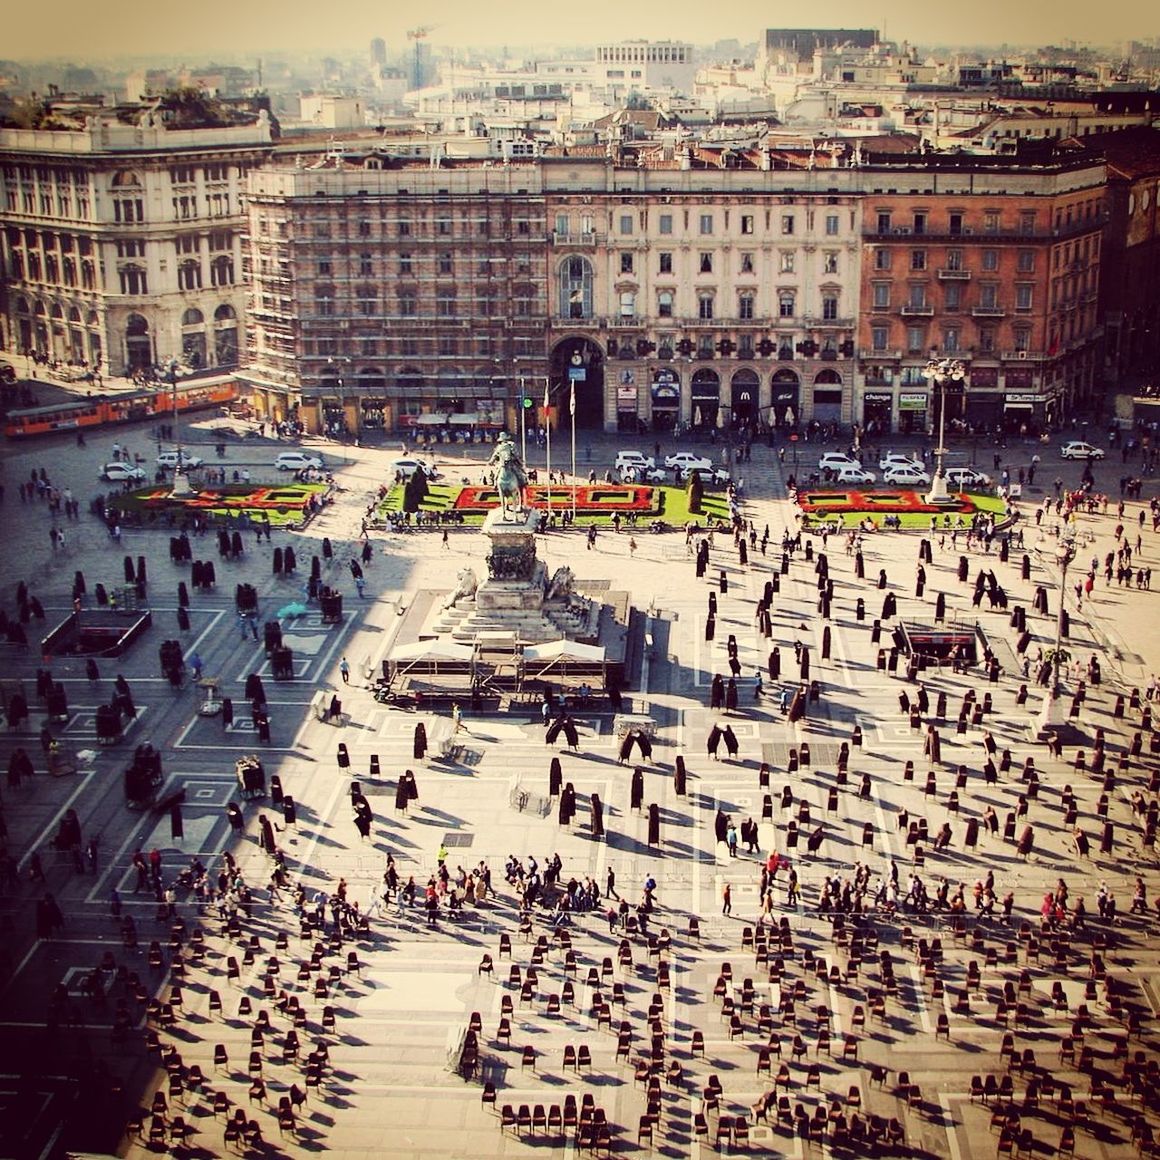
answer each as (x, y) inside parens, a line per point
(527, 401)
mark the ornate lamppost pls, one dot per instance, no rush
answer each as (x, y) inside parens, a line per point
(942, 373)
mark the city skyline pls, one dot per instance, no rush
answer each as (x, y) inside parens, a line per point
(83, 32)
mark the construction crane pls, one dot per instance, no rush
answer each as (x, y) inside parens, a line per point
(418, 35)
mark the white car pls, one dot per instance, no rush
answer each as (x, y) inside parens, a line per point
(836, 460)
(854, 475)
(296, 461)
(908, 475)
(636, 459)
(966, 478)
(686, 461)
(407, 467)
(642, 475)
(170, 460)
(117, 472)
(896, 459)
(1078, 449)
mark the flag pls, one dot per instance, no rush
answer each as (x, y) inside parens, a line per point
(572, 402)
(547, 400)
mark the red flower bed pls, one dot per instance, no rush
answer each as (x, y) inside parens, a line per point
(284, 498)
(591, 499)
(817, 501)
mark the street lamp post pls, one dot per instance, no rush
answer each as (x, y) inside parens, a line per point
(180, 479)
(942, 372)
(1064, 554)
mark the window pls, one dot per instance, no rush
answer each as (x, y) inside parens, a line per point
(881, 295)
(950, 340)
(576, 288)
(988, 295)
(952, 296)
(666, 223)
(745, 307)
(405, 264)
(626, 263)
(134, 280)
(882, 259)
(367, 301)
(324, 301)
(878, 337)
(404, 228)
(986, 340)
(787, 223)
(705, 306)
(562, 223)
(445, 303)
(915, 339)
(830, 307)
(221, 270)
(1027, 221)
(785, 262)
(954, 259)
(747, 262)
(665, 263)
(446, 264)
(745, 346)
(920, 223)
(747, 223)
(364, 229)
(991, 221)
(918, 259)
(785, 304)
(324, 266)
(366, 267)
(704, 346)
(990, 259)
(408, 307)
(1023, 339)
(665, 346)
(785, 349)
(1025, 263)
(1024, 295)
(189, 276)
(705, 225)
(883, 221)
(831, 225)
(665, 304)
(706, 263)
(443, 226)
(627, 304)
(626, 223)
(955, 223)
(917, 298)
(830, 262)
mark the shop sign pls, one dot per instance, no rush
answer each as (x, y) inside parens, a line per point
(878, 396)
(912, 401)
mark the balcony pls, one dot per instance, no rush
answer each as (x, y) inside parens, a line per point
(586, 238)
(1021, 356)
(946, 274)
(591, 322)
(869, 354)
(622, 321)
(910, 310)
(813, 322)
(987, 311)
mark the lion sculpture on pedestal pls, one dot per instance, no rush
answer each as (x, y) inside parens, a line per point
(466, 586)
(561, 583)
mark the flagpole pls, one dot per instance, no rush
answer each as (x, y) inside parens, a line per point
(548, 426)
(572, 410)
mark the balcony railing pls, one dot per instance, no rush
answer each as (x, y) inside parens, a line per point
(1021, 356)
(988, 311)
(946, 274)
(910, 310)
(870, 354)
(567, 238)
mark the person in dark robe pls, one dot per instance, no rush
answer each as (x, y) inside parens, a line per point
(1026, 841)
(731, 695)
(266, 835)
(827, 640)
(717, 692)
(713, 741)
(597, 807)
(567, 805)
(412, 786)
(554, 730)
(805, 664)
(555, 778)
(775, 664)
(654, 825)
(723, 581)
(797, 707)
(680, 777)
(419, 746)
(626, 745)
(363, 818)
(262, 724)
(636, 796)
(289, 561)
(572, 735)
(731, 743)
(402, 795)
(710, 627)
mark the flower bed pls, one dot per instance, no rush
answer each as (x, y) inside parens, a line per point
(597, 499)
(282, 504)
(823, 502)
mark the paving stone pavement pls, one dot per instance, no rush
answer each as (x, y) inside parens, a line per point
(391, 1086)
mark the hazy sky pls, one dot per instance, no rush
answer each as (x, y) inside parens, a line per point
(81, 29)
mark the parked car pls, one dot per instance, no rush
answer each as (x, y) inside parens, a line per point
(296, 461)
(118, 472)
(687, 461)
(966, 478)
(1078, 449)
(637, 459)
(854, 475)
(642, 475)
(897, 459)
(407, 467)
(171, 459)
(836, 460)
(906, 475)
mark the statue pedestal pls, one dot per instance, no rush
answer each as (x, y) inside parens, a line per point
(513, 595)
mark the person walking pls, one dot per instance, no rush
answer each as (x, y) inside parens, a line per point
(610, 885)
(727, 899)
(344, 669)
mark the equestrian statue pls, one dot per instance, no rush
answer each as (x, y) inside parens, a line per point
(510, 478)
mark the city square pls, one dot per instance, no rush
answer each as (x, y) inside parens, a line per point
(852, 1017)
